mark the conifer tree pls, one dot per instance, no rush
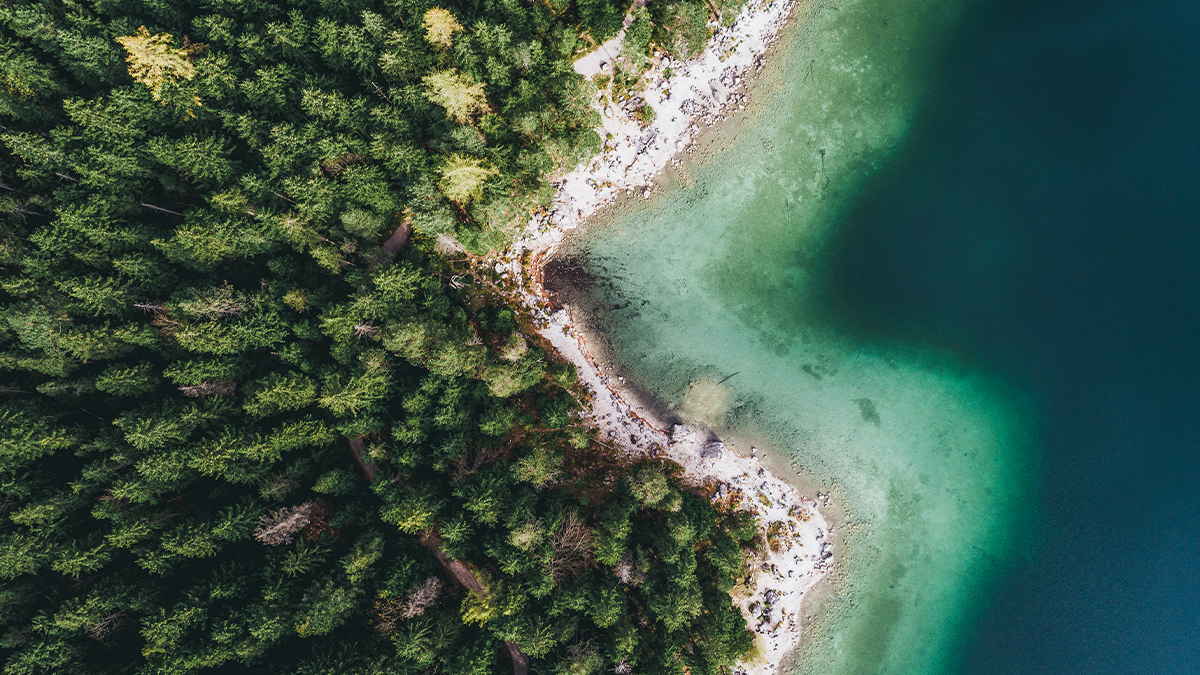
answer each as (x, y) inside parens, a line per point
(440, 27)
(463, 178)
(457, 93)
(155, 61)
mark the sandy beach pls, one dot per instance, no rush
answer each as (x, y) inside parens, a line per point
(698, 93)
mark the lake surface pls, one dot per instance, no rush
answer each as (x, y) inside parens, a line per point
(948, 264)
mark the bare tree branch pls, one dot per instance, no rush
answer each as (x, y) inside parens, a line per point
(281, 526)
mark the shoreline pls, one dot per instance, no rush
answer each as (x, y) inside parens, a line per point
(799, 539)
(699, 94)
(804, 535)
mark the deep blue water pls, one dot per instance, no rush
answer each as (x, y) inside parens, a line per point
(1045, 219)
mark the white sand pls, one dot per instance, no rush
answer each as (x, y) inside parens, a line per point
(697, 94)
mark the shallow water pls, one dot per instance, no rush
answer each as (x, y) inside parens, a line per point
(729, 279)
(978, 317)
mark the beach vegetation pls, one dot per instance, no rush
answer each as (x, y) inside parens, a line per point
(742, 525)
(637, 39)
(685, 28)
(728, 10)
(645, 114)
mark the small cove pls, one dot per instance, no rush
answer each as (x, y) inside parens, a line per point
(712, 299)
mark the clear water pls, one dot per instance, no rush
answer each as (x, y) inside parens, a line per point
(1044, 217)
(1038, 213)
(725, 277)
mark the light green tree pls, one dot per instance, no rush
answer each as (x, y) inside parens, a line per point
(281, 392)
(462, 97)
(130, 382)
(155, 61)
(463, 178)
(440, 27)
(348, 396)
(22, 76)
(328, 607)
(96, 295)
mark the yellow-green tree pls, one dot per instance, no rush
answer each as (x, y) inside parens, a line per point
(463, 177)
(440, 27)
(455, 92)
(155, 61)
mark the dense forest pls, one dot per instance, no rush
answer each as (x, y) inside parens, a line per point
(256, 412)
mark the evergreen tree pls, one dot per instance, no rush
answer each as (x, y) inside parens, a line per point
(240, 434)
(462, 98)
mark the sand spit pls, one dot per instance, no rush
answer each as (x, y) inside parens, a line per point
(698, 93)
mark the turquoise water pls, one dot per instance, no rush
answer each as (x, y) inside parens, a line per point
(712, 297)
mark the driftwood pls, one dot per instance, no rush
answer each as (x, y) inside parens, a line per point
(394, 244)
(457, 568)
(519, 658)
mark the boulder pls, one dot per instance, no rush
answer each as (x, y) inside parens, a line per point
(681, 434)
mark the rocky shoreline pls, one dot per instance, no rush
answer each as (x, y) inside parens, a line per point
(687, 97)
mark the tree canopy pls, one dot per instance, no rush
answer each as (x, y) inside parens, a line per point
(155, 61)
(239, 432)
